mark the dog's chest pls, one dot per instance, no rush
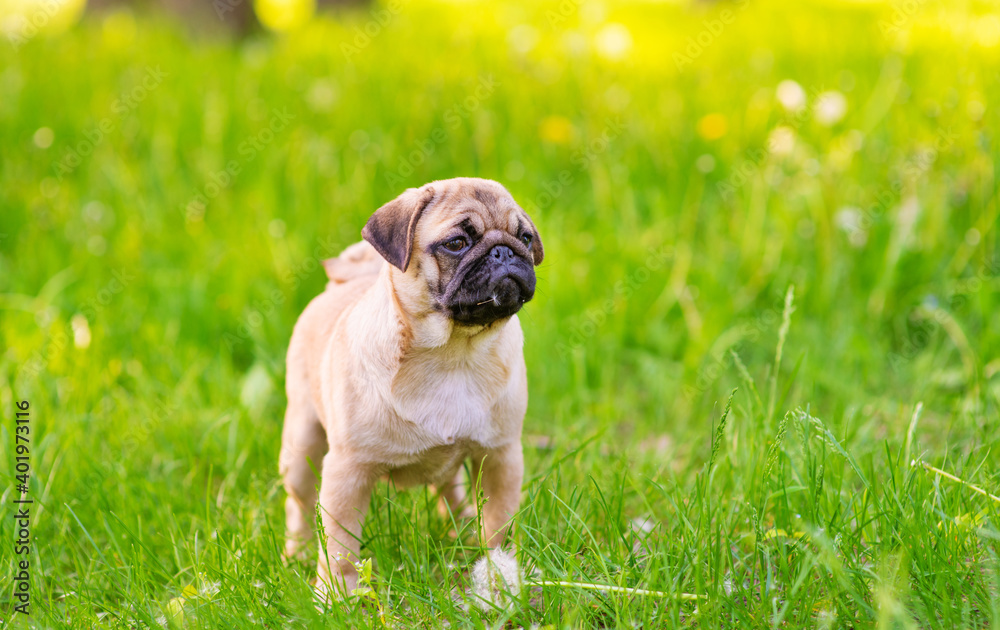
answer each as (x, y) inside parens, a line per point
(439, 401)
(448, 406)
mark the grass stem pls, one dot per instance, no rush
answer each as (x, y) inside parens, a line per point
(618, 589)
(948, 475)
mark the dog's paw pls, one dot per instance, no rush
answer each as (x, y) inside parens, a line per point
(496, 580)
(333, 587)
(325, 596)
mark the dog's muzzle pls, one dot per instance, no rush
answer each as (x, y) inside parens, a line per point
(497, 282)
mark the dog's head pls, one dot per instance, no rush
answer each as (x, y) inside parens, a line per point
(462, 244)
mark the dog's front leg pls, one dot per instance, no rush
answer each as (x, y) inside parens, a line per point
(501, 472)
(344, 494)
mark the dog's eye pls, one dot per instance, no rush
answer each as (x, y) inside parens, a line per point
(526, 239)
(456, 244)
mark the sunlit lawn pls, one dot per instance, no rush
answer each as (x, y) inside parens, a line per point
(703, 177)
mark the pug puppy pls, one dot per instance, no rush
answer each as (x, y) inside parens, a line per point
(409, 364)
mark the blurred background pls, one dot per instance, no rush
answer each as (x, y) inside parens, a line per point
(688, 162)
(173, 172)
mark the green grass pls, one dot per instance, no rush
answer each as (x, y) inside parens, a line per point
(663, 289)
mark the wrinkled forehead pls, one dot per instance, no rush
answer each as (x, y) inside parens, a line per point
(481, 207)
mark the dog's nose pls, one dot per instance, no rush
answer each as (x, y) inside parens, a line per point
(502, 253)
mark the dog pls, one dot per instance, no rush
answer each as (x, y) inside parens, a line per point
(409, 364)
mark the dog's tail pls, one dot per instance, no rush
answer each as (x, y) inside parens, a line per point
(360, 259)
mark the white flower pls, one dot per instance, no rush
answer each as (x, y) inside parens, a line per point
(781, 141)
(496, 580)
(322, 95)
(830, 108)
(81, 331)
(523, 38)
(613, 41)
(852, 222)
(791, 95)
(848, 219)
(43, 138)
(643, 525)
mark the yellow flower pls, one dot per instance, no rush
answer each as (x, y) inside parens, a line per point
(712, 126)
(284, 15)
(556, 129)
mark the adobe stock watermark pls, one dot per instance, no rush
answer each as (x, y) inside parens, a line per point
(91, 309)
(697, 44)
(591, 321)
(364, 35)
(138, 431)
(260, 310)
(21, 29)
(931, 316)
(121, 279)
(720, 361)
(913, 169)
(249, 149)
(121, 107)
(563, 11)
(453, 117)
(754, 159)
(582, 158)
(750, 165)
(225, 7)
(902, 14)
(39, 360)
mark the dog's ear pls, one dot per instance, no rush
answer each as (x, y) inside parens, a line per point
(393, 226)
(537, 251)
